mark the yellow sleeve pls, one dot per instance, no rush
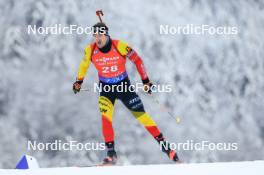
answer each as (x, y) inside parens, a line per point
(85, 63)
(123, 48)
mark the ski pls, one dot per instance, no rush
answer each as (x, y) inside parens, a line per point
(97, 165)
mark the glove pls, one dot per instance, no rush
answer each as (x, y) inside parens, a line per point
(77, 86)
(147, 86)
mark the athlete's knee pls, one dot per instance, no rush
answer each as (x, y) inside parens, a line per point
(105, 105)
(147, 122)
(144, 118)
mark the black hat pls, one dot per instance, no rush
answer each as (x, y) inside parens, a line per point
(101, 28)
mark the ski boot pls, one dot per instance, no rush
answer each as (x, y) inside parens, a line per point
(165, 147)
(111, 158)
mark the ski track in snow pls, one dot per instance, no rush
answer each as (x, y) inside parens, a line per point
(225, 168)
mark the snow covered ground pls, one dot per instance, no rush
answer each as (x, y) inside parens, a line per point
(240, 168)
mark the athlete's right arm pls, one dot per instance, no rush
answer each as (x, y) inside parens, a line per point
(83, 67)
(85, 63)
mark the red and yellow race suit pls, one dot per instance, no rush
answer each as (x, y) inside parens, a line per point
(112, 70)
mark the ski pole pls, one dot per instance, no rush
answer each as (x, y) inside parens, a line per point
(84, 90)
(165, 108)
(161, 106)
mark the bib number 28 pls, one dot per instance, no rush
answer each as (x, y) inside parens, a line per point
(110, 69)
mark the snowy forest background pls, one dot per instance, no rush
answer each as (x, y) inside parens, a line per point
(218, 80)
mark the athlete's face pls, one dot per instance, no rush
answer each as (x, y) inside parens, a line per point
(100, 40)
